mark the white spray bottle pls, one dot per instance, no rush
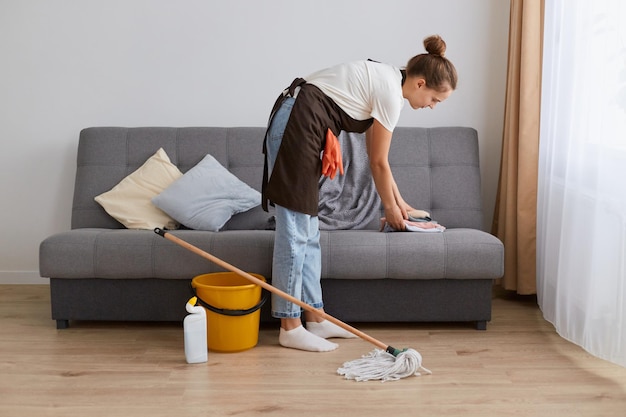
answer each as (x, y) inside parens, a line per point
(194, 326)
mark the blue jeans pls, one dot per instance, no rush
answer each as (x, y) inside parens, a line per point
(297, 262)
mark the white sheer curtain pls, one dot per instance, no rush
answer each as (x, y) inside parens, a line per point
(581, 208)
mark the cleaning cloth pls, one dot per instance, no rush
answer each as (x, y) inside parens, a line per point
(419, 221)
(424, 227)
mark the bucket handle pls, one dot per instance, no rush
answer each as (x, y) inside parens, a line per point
(225, 311)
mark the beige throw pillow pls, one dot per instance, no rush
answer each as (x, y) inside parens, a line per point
(130, 201)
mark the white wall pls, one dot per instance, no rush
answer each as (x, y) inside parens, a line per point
(66, 65)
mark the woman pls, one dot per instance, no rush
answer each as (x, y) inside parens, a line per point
(362, 96)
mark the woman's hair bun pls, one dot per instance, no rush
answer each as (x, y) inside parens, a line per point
(433, 66)
(435, 45)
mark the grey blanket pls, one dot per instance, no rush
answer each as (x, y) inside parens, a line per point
(350, 201)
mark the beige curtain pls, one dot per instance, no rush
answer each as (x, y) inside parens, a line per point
(515, 214)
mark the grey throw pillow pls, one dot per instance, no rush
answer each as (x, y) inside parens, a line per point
(206, 196)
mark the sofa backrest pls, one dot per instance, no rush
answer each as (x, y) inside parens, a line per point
(106, 155)
(436, 169)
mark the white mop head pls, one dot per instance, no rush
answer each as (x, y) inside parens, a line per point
(379, 364)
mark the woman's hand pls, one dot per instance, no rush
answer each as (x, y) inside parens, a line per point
(395, 218)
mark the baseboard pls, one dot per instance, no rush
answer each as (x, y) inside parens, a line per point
(22, 277)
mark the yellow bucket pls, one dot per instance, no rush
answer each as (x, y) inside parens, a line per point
(233, 307)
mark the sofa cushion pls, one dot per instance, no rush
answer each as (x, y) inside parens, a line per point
(129, 202)
(453, 254)
(138, 254)
(207, 196)
(351, 255)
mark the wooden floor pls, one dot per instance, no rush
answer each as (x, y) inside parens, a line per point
(518, 367)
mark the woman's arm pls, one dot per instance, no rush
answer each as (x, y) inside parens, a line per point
(378, 142)
(404, 206)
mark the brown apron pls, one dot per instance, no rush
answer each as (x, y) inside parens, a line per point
(294, 183)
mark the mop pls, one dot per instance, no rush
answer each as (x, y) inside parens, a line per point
(386, 363)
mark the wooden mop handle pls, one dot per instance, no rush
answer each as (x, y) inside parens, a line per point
(270, 288)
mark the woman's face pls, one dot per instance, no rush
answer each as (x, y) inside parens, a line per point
(421, 96)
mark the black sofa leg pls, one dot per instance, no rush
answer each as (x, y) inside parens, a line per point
(63, 324)
(481, 325)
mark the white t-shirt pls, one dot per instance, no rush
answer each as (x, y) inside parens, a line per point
(363, 89)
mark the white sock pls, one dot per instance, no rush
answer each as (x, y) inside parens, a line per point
(327, 329)
(300, 338)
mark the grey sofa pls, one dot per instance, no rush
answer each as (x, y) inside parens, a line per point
(99, 270)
